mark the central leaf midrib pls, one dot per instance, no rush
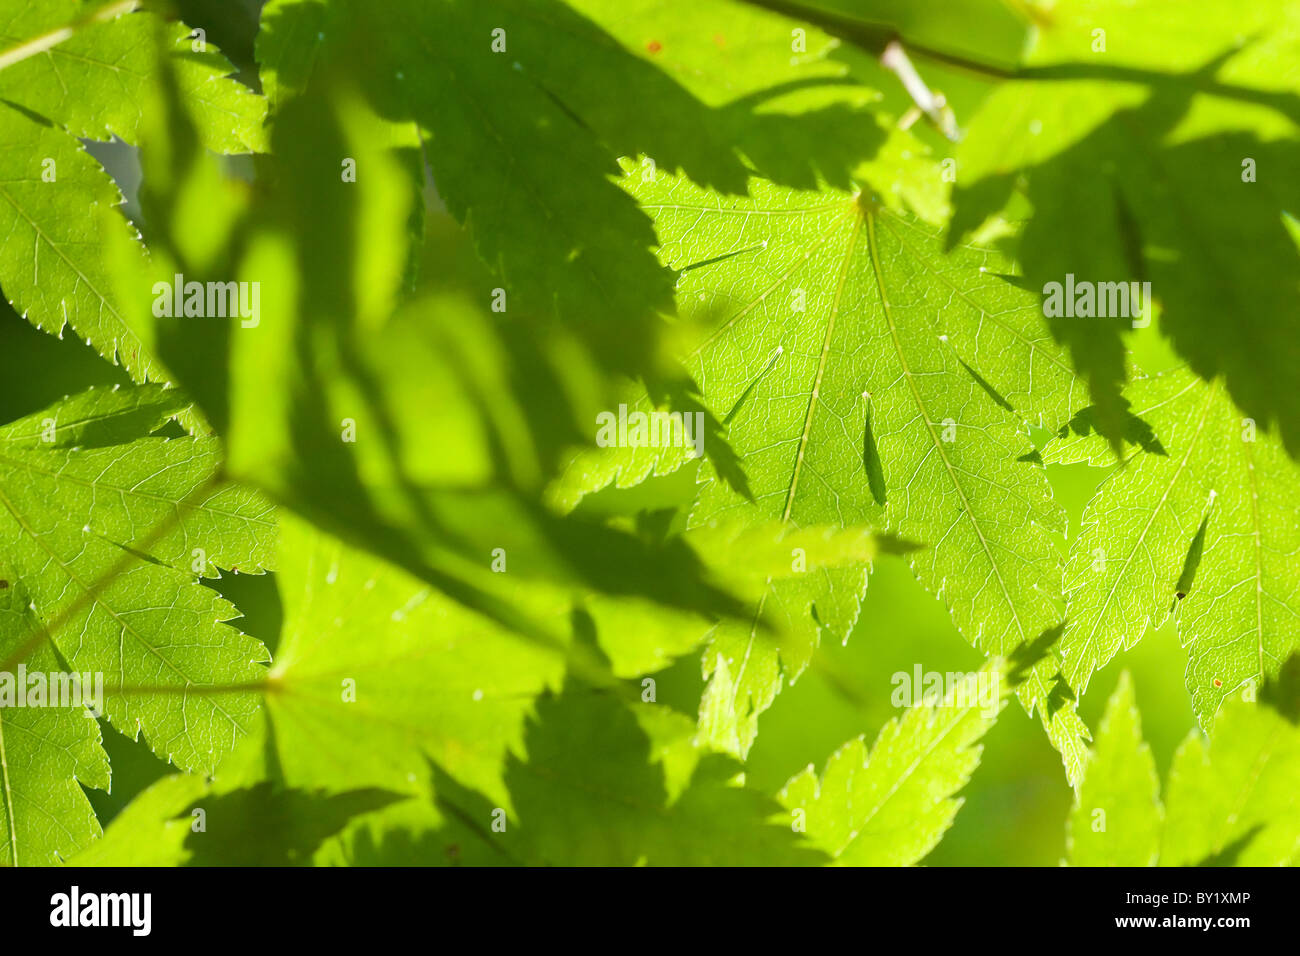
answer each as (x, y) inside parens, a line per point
(887, 311)
(815, 394)
(799, 262)
(1173, 480)
(903, 777)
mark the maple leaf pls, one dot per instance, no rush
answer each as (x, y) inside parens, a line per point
(1226, 801)
(454, 497)
(865, 376)
(1117, 815)
(1199, 521)
(437, 681)
(432, 680)
(106, 530)
(148, 832)
(263, 825)
(444, 705)
(45, 752)
(890, 806)
(722, 211)
(93, 83)
(1119, 110)
(583, 251)
(768, 566)
(589, 795)
(96, 82)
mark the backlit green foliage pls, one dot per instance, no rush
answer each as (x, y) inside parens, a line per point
(398, 313)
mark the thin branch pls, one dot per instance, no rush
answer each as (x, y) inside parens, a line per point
(931, 104)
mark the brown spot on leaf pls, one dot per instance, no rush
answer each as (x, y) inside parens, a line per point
(654, 46)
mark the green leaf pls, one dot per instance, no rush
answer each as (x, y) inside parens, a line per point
(589, 795)
(415, 833)
(476, 231)
(1124, 121)
(52, 265)
(867, 377)
(748, 662)
(150, 830)
(580, 251)
(1227, 800)
(1117, 814)
(97, 417)
(592, 792)
(432, 681)
(182, 820)
(722, 94)
(96, 83)
(437, 686)
(46, 753)
(445, 496)
(782, 572)
(891, 806)
(57, 203)
(1201, 524)
(332, 705)
(134, 485)
(267, 826)
(106, 542)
